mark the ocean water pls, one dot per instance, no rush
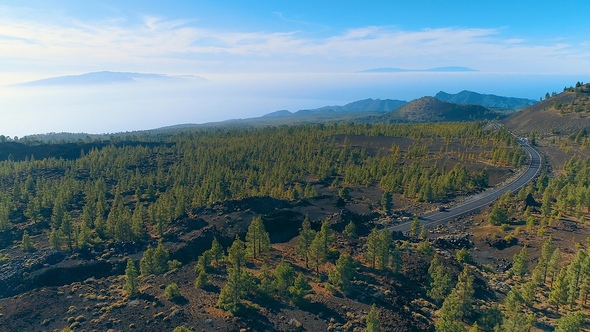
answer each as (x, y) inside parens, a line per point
(109, 108)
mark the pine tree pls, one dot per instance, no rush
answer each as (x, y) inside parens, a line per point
(559, 288)
(299, 290)
(344, 272)
(100, 226)
(204, 261)
(283, 277)
(138, 228)
(84, 237)
(574, 274)
(372, 247)
(513, 301)
(306, 236)
(67, 229)
(459, 303)
(57, 213)
(423, 233)
(585, 282)
(571, 322)
(520, 265)
(55, 239)
(517, 322)
(439, 280)
(464, 289)
(498, 216)
(384, 252)
(528, 292)
(231, 294)
(463, 255)
(372, 321)
(26, 243)
(265, 287)
(446, 325)
(5, 224)
(216, 251)
(326, 236)
(161, 256)
(33, 211)
(414, 227)
(319, 247)
(131, 279)
(202, 279)
(315, 254)
(546, 252)
(147, 261)
(553, 264)
(490, 318)
(257, 239)
(310, 191)
(172, 291)
(237, 255)
(350, 230)
(386, 204)
(154, 260)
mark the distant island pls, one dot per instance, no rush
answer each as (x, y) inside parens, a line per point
(451, 69)
(106, 77)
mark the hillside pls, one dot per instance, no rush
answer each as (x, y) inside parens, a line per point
(566, 113)
(486, 100)
(429, 109)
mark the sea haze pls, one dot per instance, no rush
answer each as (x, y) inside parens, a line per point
(148, 104)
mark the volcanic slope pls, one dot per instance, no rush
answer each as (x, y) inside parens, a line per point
(566, 112)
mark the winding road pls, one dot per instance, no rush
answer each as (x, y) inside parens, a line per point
(476, 202)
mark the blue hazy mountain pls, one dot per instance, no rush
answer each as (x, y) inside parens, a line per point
(106, 77)
(486, 100)
(362, 106)
(450, 69)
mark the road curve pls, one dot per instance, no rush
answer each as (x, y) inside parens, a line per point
(476, 202)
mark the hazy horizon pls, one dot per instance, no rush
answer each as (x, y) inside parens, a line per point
(110, 108)
(261, 56)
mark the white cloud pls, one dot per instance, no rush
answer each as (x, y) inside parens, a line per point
(155, 44)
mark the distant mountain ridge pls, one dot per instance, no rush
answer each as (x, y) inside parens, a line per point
(105, 77)
(364, 106)
(486, 100)
(450, 69)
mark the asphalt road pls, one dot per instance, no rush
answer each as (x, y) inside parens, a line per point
(476, 202)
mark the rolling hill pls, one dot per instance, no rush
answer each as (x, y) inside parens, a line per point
(429, 109)
(486, 100)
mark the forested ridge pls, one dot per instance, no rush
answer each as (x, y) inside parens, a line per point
(131, 192)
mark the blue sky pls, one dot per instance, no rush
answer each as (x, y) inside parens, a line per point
(292, 52)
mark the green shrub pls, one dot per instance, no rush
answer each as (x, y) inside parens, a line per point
(172, 291)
